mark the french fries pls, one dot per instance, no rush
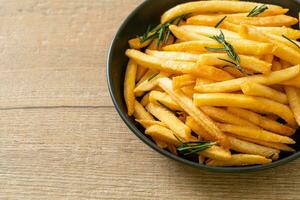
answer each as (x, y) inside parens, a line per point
(210, 6)
(264, 122)
(129, 84)
(246, 62)
(240, 160)
(255, 89)
(187, 105)
(248, 102)
(294, 100)
(253, 48)
(234, 85)
(218, 79)
(172, 122)
(255, 133)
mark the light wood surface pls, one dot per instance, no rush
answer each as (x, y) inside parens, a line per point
(60, 136)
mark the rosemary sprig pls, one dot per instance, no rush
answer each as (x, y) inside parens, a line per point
(188, 148)
(162, 31)
(257, 10)
(228, 48)
(291, 41)
(220, 22)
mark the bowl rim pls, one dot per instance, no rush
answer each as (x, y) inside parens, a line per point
(147, 141)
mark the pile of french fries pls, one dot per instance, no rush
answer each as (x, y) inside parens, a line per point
(181, 92)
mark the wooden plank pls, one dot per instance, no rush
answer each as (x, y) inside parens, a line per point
(90, 154)
(50, 37)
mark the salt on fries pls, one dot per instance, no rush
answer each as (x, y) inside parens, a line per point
(214, 78)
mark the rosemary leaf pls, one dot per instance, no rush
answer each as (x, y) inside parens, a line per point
(291, 41)
(220, 22)
(257, 10)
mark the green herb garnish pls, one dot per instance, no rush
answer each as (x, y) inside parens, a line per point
(162, 31)
(220, 22)
(228, 48)
(293, 42)
(188, 148)
(257, 10)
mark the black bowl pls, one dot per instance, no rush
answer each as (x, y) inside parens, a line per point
(136, 23)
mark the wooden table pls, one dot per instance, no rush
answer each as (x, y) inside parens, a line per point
(60, 136)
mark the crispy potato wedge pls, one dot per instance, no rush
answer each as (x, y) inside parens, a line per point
(242, 101)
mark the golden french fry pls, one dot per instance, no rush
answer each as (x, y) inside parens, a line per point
(279, 146)
(278, 20)
(255, 133)
(212, 73)
(158, 64)
(221, 115)
(282, 50)
(211, 6)
(140, 113)
(247, 62)
(283, 40)
(145, 99)
(164, 99)
(183, 80)
(264, 122)
(149, 83)
(184, 35)
(234, 71)
(255, 89)
(210, 31)
(240, 160)
(169, 55)
(189, 91)
(129, 84)
(294, 101)
(162, 133)
(141, 71)
(248, 102)
(201, 81)
(253, 48)
(135, 43)
(216, 152)
(251, 148)
(187, 105)
(269, 58)
(236, 144)
(295, 82)
(234, 85)
(289, 32)
(172, 122)
(148, 123)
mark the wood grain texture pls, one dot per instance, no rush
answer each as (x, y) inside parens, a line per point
(60, 136)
